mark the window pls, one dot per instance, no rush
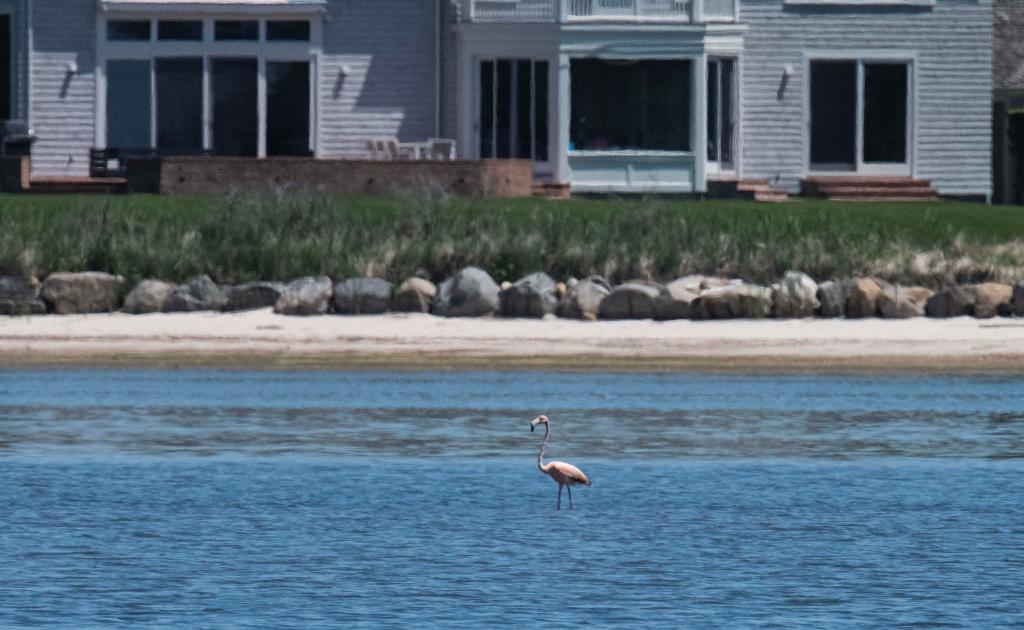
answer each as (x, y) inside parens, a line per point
(514, 109)
(129, 104)
(128, 30)
(230, 96)
(233, 30)
(180, 30)
(630, 105)
(179, 105)
(288, 108)
(287, 30)
(721, 111)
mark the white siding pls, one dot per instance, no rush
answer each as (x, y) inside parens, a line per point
(63, 104)
(390, 88)
(953, 46)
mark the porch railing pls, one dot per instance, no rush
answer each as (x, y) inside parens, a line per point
(600, 10)
(675, 9)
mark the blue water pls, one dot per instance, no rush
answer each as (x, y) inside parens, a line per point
(221, 499)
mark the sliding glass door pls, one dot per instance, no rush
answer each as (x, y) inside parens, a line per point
(179, 105)
(860, 116)
(235, 115)
(288, 108)
(513, 110)
(129, 104)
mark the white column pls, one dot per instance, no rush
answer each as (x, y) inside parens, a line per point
(261, 107)
(563, 111)
(700, 125)
(698, 11)
(467, 100)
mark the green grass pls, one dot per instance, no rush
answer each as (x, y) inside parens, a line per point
(241, 239)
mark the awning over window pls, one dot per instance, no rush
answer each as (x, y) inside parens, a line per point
(256, 7)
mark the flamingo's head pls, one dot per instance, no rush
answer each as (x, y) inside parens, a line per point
(536, 422)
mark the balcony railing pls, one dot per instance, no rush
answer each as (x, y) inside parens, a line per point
(684, 11)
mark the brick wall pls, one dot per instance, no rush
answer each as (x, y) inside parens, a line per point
(222, 175)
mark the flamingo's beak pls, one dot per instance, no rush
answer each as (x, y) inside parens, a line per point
(532, 427)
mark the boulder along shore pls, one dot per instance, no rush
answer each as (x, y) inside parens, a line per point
(469, 320)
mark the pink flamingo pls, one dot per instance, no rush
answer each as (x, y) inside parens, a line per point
(565, 474)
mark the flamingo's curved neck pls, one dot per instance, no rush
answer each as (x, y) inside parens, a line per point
(540, 455)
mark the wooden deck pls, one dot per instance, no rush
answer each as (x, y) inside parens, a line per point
(78, 185)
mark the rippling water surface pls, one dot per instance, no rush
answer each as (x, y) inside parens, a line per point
(377, 499)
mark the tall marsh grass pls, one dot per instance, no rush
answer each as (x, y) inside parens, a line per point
(240, 239)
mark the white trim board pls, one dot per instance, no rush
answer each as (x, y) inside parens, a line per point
(860, 3)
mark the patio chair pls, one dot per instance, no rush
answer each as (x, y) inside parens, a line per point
(383, 148)
(441, 149)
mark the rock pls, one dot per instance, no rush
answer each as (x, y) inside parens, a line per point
(305, 296)
(632, 300)
(992, 299)
(1018, 299)
(181, 300)
(747, 301)
(363, 296)
(535, 295)
(796, 295)
(583, 299)
(471, 292)
(896, 302)
(832, 298)
(148, 296)
(87, 292)
(19, 295)
(415, 295)
(677, 298)
(863, 298)
(200, 294)
(951, 302)
(244, 297)
(715, 282)
(204, 289)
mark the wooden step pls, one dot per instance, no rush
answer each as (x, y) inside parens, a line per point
(760, 190)
(78, 185)
(550, 190)
(875, 191)
(868, 188)
(866, 180)
(771, 196)
(893, 197)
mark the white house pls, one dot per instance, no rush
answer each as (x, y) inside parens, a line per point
(603, 95)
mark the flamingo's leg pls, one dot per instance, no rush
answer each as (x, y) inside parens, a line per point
(569, 486)
(559, 506)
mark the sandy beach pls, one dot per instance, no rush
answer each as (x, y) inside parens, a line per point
(261, 338)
